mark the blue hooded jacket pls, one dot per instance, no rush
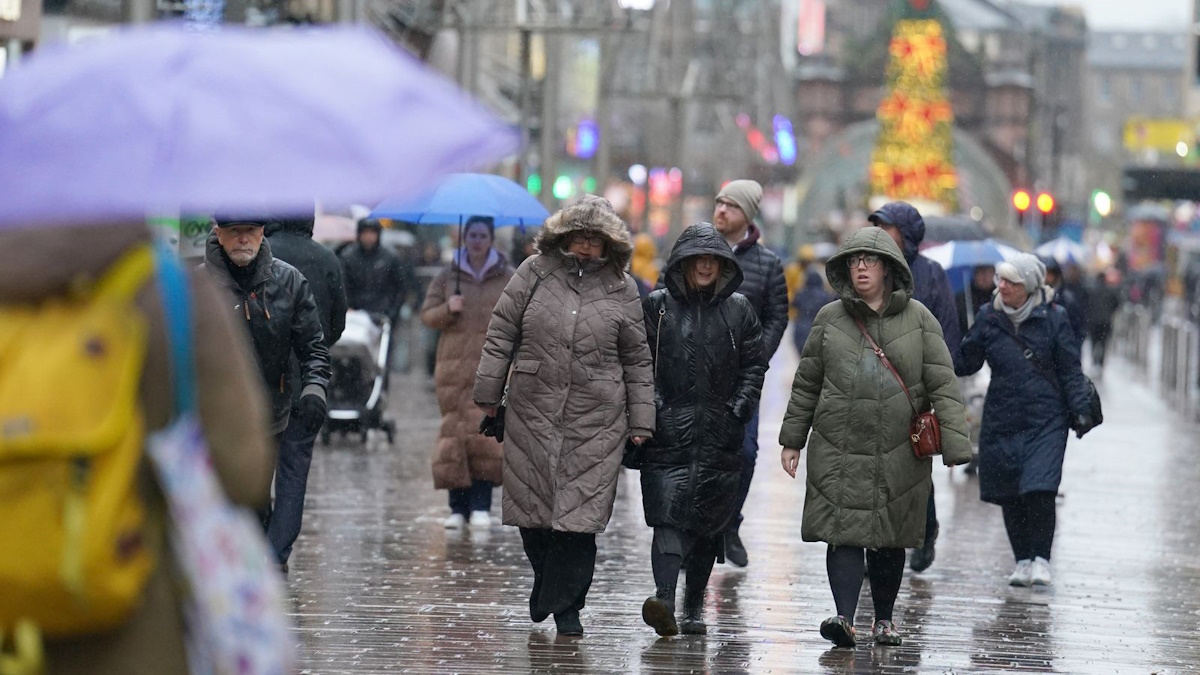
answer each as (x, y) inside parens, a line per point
(931, 287)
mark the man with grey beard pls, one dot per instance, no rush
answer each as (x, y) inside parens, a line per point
(281, 317)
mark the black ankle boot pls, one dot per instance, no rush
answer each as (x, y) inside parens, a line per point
(568, 623)
(659, 612)
(693, 612)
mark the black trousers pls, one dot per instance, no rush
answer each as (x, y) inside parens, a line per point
(884, 568)
(563, 564)
(674, 549)
(1030, 520)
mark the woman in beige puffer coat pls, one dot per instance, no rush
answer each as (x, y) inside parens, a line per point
(581, 386)
(459, 303)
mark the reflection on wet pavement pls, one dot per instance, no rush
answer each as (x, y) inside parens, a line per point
(379, 586)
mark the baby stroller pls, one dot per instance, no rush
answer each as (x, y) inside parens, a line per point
(358, 385)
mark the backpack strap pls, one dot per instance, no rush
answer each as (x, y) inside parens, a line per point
(176, 300)
(126, 277)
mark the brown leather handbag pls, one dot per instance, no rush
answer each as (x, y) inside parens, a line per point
(924, 432)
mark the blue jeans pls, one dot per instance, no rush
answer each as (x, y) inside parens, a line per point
(478, 497)
(291, 482)
(749, 459)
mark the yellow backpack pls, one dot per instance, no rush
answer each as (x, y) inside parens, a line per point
(74, 526)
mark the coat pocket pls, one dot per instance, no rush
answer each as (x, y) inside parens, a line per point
(526, 366)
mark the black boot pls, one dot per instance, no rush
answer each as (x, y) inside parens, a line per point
(659, 612)
(693, 611)
(735, 551)
(919, 559)
(568, 622)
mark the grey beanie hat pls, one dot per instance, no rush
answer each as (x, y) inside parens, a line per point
(746, 194)
(1023, 269)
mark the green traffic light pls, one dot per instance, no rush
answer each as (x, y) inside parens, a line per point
(563, 187)
(534, 184)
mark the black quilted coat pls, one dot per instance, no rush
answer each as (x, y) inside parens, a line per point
(709, 366)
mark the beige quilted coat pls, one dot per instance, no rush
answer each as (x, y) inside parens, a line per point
(582, 382)
(462, 453)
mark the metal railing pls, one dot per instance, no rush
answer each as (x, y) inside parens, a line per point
(1178, 362)
(1133, 329)
(1166, 354)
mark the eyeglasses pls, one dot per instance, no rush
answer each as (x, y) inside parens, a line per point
(590, 239)
(728, 204)
(867, 259)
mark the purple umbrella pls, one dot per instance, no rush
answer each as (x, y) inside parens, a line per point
(165, 118)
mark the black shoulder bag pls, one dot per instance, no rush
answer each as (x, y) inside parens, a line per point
(494, 425)
(1095, 411)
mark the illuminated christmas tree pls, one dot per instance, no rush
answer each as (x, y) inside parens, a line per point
(912, 156)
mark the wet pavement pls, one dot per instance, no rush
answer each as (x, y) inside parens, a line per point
(379, 586)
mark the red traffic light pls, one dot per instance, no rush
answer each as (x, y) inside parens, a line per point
(1045, 202)
(1021, 200)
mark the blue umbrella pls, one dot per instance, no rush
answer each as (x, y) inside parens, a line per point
(969, 253)
(463, 195)
(1065, 251)
(958, 258)
(164, 118)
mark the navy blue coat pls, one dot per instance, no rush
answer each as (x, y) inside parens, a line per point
(931, 286)
(1026, 416)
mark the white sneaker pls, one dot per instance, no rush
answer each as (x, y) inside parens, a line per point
(1022, 575)
(1040, 572)
(456, 521)
(480, 519)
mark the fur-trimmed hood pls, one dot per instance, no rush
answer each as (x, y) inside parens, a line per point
(589, 213)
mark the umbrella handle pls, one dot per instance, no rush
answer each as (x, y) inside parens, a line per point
(458, 259)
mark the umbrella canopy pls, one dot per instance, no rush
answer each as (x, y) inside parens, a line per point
(165, 118)
(959, 258)
(463, 195)
(969, 253)
(1065, 251)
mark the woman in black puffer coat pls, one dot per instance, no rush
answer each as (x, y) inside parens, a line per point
(709, 367)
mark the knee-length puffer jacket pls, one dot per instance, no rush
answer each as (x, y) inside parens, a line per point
(709, 367)
(462, 453)
(865, 486)
(581, 382)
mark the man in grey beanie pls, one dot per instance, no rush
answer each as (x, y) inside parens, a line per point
(764, 286)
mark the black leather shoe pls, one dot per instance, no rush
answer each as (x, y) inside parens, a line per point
(568, 623)
(735, 552)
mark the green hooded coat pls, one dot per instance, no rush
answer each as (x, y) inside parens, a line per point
(865, 487)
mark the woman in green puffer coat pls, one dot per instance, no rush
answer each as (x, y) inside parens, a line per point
(866, 490)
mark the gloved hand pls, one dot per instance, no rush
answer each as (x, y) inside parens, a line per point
(1082, 425)
(312, 412)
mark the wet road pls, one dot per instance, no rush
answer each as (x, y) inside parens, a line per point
(379, 586)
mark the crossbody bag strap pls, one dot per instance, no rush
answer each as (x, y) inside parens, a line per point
(886, 363)
(512, 357)
(1029, 355)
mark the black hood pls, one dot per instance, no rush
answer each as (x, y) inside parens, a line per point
(702, 239)
(908, 220)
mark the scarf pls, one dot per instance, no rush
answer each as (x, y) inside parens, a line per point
(1018, 315)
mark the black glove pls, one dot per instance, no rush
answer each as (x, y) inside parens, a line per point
(1082, 425)
(312, 412)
